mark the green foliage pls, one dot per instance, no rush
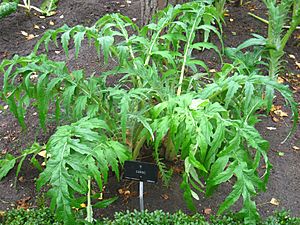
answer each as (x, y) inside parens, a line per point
(156, 217)
(277, 218)
(44, 216)
(77, 152)
(9, 161)
(162, 218)
(48, 6)
(166, 99)
(7, 8)
(28, 217)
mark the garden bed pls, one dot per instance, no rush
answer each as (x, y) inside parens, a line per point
(284, 179)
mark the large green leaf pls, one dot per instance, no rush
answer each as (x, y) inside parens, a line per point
(7, 8)
(6, 165)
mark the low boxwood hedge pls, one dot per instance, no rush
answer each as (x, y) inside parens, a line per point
(41, 216)
(45, 217)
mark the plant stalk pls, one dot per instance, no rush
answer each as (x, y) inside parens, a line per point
(29, 7)
(267, 22)
(153, 42)
(89, 210)
(186, 54)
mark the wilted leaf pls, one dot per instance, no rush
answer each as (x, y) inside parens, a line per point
(165, 196)
(30, 37)
(21, 179)
(274, 201)
(296, 148)
(23, 203)
(43, 153)
(271, 128)
(275, 107)
(292, 56)
(24, 33)
(207, 211)
(280, 113)
(280, 80)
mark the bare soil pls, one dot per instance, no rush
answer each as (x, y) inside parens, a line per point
(284, 182)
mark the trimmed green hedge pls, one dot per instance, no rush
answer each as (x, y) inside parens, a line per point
(162, 218)
(158, 217)
(41, 216)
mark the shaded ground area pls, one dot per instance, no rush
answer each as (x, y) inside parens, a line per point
(284, 184)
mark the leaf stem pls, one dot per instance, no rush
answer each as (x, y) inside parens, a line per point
(89, 210)
(149, 53)
(267, 22)
(29, 7)
(186, 53)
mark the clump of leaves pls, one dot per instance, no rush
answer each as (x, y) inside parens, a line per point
(173, 102)
(8, 7)
(9, 161)
(155, 217)
(29, 217)
(78, 152)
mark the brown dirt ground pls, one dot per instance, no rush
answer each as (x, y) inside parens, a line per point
(284, 183)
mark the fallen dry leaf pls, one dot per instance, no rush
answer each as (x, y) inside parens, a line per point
(292, 56)
(274, 201)
(275, 119)
(280, 113)
(121, 191)
(165, 196)
(21, 179)
(24, 33)
(280, 80)
(297, 64)
(296, 148)
(51, 23)
(275, 107)
(43, 153)
(127, 192)
(36, 27)
(207, 211)
(23, 203)
(30, 37)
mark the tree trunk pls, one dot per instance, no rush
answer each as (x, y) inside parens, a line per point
(150, 7)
